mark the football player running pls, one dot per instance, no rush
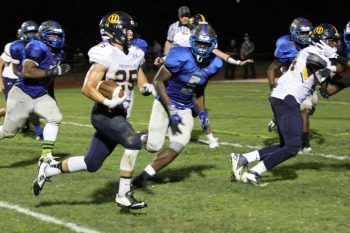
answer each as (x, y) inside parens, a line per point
(11, 67)
(29, 94)
(311, 66)
(287, 48)
(117, 59)
(185, 73)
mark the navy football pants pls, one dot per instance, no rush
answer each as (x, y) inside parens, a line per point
(290, 129)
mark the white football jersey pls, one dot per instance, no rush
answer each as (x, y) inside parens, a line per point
(297, 81)
(121, 68)
(8, 68)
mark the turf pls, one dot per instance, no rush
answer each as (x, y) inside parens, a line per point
(308, 193)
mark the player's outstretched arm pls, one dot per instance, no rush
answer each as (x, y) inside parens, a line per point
(226, 57)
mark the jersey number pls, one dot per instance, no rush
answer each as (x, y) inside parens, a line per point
(126, 76)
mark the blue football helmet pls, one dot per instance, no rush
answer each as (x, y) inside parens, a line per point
(28, 31)
(347, 35)
(51, 33)
(115, 25)
(203, 40)
(299, 31)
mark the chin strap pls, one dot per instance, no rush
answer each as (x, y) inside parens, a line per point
(199, 58)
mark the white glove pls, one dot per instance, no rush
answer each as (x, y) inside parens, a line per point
(116, 100)
(327, 50)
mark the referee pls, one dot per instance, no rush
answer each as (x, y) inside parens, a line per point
(181, 25)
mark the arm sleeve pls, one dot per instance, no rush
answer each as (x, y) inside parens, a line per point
(6, 56)
(214, 67)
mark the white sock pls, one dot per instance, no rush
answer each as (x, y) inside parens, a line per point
(150, 171)
(252, 156)
(76, 164)
(259, 168)
(50, 132)
(124, 186)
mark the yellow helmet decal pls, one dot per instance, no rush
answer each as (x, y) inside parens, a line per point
(112, 19)
(318, 30)
(202, 17)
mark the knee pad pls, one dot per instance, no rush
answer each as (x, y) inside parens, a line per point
(133, 143)
(56, 119)
(128, 160)
(6, 134)
(178, 147)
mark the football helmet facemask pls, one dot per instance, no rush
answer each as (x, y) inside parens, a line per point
(300, 29)
(347, 35)
(203, 40)
(52, 34)
(28, 31)
(116, 26)
(325, 32)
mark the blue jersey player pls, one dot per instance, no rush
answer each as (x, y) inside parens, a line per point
(11, 66)
(117, 58)
(185, 73)
(29, 94)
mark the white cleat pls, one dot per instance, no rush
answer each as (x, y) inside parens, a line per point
(129, 201)
(252, 178)
(213, 143)
(41, 178)
(238, 162)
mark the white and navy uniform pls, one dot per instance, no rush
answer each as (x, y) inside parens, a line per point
(8, 76)
(187, 78)
(175, 28)
(111, 125)
(285, 52)
(291, 90)
(29, 95)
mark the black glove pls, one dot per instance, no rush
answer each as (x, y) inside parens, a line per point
(58, 70)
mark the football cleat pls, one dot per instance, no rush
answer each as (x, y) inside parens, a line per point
(271, 125)
(39, 182)
(252, 177)
(139, 182)
(129, 201)
(238, 162)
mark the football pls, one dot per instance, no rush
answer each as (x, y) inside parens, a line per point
(108, 87)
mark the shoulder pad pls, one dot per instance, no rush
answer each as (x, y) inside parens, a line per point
(36, 51)
(17, 51)
(176, 57)
(141, 44)
(100, 54)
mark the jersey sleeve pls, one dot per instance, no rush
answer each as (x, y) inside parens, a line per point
(6, 56)
(141, 44)
(171, 32)
(214, 67)
(17, 52)
(100, 54)
(285, 50)
(35, 52)
(175, 59)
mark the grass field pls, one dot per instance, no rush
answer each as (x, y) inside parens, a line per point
(309, 193)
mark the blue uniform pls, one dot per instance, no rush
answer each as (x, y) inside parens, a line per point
(38, 52)
(140, 43)
(187, 77)
(286, 50)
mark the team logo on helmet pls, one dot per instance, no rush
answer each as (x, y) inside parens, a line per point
(112, 19)
(318, 30)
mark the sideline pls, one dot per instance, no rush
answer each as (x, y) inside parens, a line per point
(74, 227)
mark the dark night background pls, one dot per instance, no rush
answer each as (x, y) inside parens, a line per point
(264, 20)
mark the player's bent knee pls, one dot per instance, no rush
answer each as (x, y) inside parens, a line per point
(133, 143)
(153, 148)
(178, 147)
(56, 119)
(293, 150)
(93, 166)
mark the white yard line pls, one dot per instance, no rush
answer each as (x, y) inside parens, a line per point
(335, 157)
(46, 218)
